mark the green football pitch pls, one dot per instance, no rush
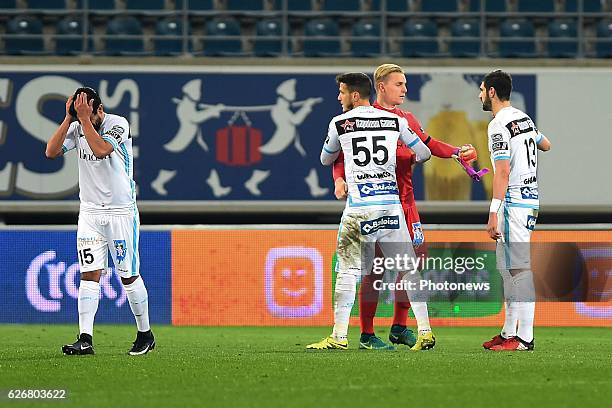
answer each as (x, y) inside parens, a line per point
(269, 367)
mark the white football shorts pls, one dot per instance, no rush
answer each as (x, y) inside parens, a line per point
(99, 234)
(516, 224)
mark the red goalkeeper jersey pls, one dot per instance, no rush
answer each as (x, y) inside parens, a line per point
(405, 156)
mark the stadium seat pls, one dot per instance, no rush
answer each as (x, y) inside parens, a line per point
(492, 6)
(510, 45)
(341, 5)
(438, 6)
(366, 47)
(465, 47)
(539, 6)
(170, 27)
(604, 32)
(26, 26)
(395, 5)
(299, 5)
(320, 47)
(245, 5)
(422, 41)
(564, 43)
(145, 5)
(97, 5)
(8, 4)
(71, 41)
(589, 6)
(196, 5)
(47, 4)
(268, 47)
(121, 26)
(219, 27)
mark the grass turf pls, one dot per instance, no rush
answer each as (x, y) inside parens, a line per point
(269, 367)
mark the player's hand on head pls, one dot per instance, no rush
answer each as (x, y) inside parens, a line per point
(82, 107)
(468, 153)
(68, 103)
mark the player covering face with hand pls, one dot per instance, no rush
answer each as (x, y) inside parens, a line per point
(373, 214)
(391, 89)
(108, 215)
(514, 142)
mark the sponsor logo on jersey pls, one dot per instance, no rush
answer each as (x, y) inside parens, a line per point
(530, 180)
(361, 124)
(497, 137)
(520, 126)
(115, 132)
(529, 193)
(376, 189)
(365, 176)
(531, 222)
(89, 156)
(497, 146)
(120, 249)
(386, 222)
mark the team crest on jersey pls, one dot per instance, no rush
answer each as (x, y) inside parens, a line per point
(531, 222)
(386, 222)
(120, 249)
(417, 234)
(376, 189)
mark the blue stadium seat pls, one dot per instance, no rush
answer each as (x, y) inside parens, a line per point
(147, 5)
(564, 42)
(71, 41)
(245, 5)
(423, 41)
(196, 5)
(539, 6)
(121, 26)
(24, 26)
(492, 6)
(465, 47)
(222, 46)
(366, 47)
(268, 47)
(589, 6)
(395, 5)
(97, 5)
(437, 6)
(604, 32)
(171, 26)
(299, 5)
(341, 5)
(320, 47)
(8, 4)
(512, 46)
(47, 4)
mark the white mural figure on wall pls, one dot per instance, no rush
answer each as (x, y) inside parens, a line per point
(287, 121)
(191, 114)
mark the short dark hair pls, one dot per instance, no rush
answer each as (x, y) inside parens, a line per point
(91, 94)
(356, 82)
(501, 82)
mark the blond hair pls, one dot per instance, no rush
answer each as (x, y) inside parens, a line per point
(384, 70)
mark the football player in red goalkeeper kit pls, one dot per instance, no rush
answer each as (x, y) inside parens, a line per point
(391, 89)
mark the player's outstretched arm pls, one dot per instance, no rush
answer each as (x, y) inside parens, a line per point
(413, 141)
(55, 143)
(99, 146)
(543, 143)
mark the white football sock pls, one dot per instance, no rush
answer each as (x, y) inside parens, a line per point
(139, 303)
(524, 291)
(418, 300)
(421, 315)
(89, 297)
(343, 303)
(511, 319)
